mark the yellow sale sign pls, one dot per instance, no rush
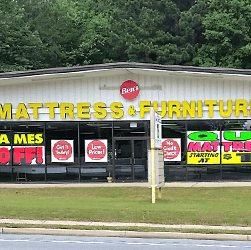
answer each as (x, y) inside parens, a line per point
(203, 147)
(236, 147)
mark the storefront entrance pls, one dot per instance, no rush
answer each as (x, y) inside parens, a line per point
(130, 161)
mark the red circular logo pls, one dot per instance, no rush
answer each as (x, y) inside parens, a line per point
(129, 90)
(171, 149)
(62, 150)
(96, 150)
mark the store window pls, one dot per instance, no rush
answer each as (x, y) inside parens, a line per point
(5, 146)
(131, 129)
(203, 150)
(236, 160)
(62, 151)
(27, 151)
(213, 149)
(195, 150)
(173, 144)
(96, 150)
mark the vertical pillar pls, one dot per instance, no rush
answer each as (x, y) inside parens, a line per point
(12, 171)
(221, 174)
(153, 175)
(159, 193)
(186, 147)
(79, 156)
(45, 160)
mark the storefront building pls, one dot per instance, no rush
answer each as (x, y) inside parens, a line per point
(85, 123)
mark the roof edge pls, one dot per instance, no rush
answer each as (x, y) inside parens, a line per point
(121, 65)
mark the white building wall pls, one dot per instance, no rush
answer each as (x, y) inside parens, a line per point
(154, 86)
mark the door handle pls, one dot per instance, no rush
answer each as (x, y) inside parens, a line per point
(132, 161)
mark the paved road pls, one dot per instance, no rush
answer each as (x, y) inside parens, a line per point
(37, 242)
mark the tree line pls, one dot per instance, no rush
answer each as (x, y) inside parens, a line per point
(36, 34)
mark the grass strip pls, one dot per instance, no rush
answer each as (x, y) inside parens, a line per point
(191, 206)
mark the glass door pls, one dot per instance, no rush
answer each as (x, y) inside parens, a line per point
(130, 161)
(140, 162)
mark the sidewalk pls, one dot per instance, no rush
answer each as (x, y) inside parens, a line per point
(122, 233)
(124, 184)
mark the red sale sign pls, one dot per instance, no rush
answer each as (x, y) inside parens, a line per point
(31, 155)
(172, 149)
(95, 150)
(62, 151)
(5, 155)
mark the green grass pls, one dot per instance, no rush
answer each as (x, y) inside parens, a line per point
(208, 206)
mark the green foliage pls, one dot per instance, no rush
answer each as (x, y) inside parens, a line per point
(56, 33)
(191, 29)
(94, 27)
(227, 35)
(55, 22)
(144, 31)
(20, 47)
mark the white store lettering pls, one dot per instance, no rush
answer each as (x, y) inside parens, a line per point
(125, 90)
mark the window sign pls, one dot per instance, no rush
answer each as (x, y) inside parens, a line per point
(236, 147)
(203, 147)
(95, 150)
(62, 151)
(156, 130)
(5, 155)
(27, 149)
(28, 155)
(172, 149)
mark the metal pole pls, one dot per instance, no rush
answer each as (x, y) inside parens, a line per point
(79, 156)
(153, 153)
(160, 193)
(45, 161)
(153, 175)
(11, 150)
(186, 147)
(221, 174)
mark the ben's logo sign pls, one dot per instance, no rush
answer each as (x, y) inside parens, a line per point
(129, 90)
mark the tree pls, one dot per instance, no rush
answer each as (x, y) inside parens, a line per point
(57, 33)
(94, 30)
(227, 35)
(185, 5)
(72, 32)
(142, 30)
(190, 31)
(55, 22)
(20, 48)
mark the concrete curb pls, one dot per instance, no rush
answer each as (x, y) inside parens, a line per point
(123, 233)
(131, 234)
(131, 184)
(119, 224)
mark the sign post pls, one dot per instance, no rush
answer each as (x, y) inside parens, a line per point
(156, 143)
(153, 175)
